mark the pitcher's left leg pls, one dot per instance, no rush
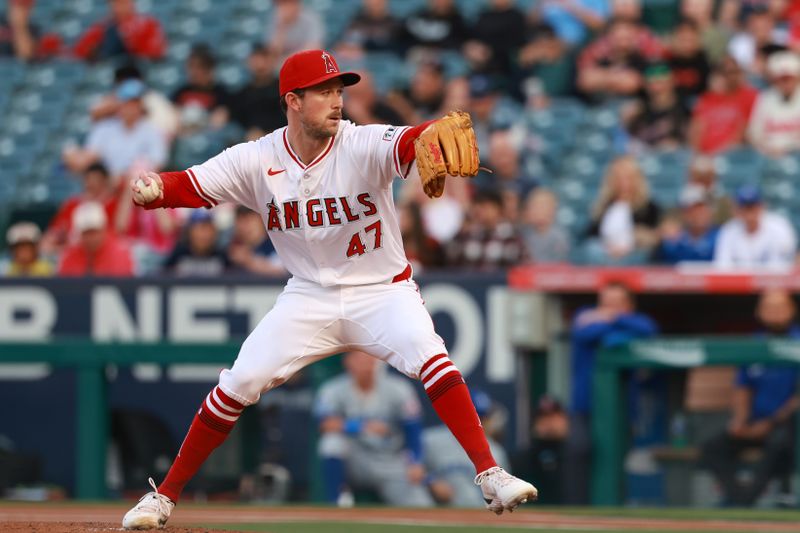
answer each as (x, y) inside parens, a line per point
(391, 322)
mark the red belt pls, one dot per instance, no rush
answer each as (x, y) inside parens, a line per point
(404, 275)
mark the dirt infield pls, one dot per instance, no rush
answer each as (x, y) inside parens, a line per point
(75, 518)
(90, 527)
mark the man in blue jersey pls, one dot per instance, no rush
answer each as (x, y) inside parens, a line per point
(762, 408)
(613, 321)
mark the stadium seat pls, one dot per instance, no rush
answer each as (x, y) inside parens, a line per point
(403, 9)
(585, 168)
(739, 166)
(11, 71)
(470, 9)
(571, 191)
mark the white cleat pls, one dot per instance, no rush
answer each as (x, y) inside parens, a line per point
(504, 492)
(152, 511)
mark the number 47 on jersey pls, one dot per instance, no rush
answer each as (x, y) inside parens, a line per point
(357, 246)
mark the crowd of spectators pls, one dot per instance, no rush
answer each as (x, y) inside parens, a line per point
(701, 76)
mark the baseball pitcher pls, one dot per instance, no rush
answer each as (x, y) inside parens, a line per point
(323, 188)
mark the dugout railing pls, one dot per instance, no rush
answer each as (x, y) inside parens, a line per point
(609, 437)
(90, 360)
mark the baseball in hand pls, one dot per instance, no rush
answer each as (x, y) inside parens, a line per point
(147, 193)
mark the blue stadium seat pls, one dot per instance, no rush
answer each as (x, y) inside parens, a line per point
(470, 9)
(189, 150)
(739, 166)
(573, 192)
(405, 8)
(165, 77)
(583, 167)
(666, 171)
(596, 144)
(11, 71)
(602, 118)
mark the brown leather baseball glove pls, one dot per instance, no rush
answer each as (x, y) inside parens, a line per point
(446, 147)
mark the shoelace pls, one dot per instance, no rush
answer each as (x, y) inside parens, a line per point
(503, 478)
(146, 501)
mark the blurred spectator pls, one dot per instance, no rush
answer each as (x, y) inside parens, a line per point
(659, 119)
(422, 250)
(363, 105)
(688, 61)
(97, 252)
(17, 34)
(693, 236)
(201, 100)
(775, 123)
(422, 100)
(614, 321)
(374, 28)
(756, 238)
(199, 255)
(123, 33)
(543, 460)
(545, 66)
(573, 20)
(436, 27)
(748, 44)
(443, 217)
(151, 233)
(495, 38)
(483, 107)
(487, 241)
(624, 218)
(721, 114)
(96, 188)
(546, 241)
(23, 242)
(250, 248)
(703, 173)
(158, 107)
(20, 38)
(450, 472)
(613, 64)
(370, 425)
(504, 158)
(124, 142)
(510, 195)
(456, 94)
(715, 32)
(294, 27)
(762, 412)
(256, 106)
(627, 9)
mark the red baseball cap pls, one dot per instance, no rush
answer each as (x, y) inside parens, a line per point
(310, 67)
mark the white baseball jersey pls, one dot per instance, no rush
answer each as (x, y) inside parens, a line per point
(333, 220)
(772, 246)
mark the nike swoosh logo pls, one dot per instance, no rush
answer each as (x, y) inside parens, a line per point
(273, 172)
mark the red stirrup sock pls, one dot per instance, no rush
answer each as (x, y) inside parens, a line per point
(451, 400)
(210, 427)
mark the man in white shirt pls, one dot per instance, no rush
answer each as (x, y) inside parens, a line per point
(755, 238)
(124, 142)
(775, 123)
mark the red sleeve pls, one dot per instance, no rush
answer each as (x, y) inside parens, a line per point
(147, 40)
(62, 221)
(89, 41)
(405, 145)
(178, 192)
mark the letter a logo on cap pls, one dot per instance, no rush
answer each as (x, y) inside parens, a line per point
(330, 66)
